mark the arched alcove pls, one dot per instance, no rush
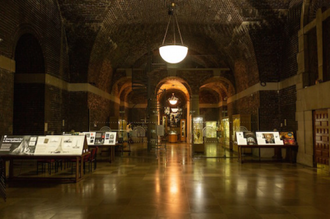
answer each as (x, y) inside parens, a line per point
(29, 87)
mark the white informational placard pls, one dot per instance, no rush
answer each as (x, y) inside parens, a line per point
(60, 145)
(240, 138)
(73, 144)
(110, 138)
(271, 138)
(47, 145)
(90, 137)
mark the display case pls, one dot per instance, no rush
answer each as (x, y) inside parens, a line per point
(225, 140)
(240, 123)
(211, 130)
(198, 143)
(165, 123)
(122, 133)
(183, 130)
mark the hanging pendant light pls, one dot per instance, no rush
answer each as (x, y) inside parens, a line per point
(173, 99)
(173, 53)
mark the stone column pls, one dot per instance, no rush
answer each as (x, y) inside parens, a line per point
(153, 121)
(194, 104)
(319, 37)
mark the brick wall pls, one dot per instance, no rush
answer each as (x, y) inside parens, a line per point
(210, 114)
(39, 18)
(78, 114)
(33, 28)
(99, 111)
(269, 111)
(287, 108)
(29, 109)
(56, 109)
(248, 105)
(268, 45)
(289, 65)
(137, 115)
(6, 101)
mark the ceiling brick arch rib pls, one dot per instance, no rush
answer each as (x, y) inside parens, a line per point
(149, 22)
(218, 33)
(221, 85)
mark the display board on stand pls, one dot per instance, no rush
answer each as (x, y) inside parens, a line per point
(43, 145)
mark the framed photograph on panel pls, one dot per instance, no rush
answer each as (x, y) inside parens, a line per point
(183, 130)
(271, 138)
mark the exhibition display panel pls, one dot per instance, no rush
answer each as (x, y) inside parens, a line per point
(103, 140)
(266, 139)
(50, 147)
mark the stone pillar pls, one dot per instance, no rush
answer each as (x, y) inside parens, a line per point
(153, 121)
(319, 37)
(194, 105)
(305, 102)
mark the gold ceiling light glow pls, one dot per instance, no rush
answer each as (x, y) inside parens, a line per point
(174, 110)
(173, 53)
(173, 99)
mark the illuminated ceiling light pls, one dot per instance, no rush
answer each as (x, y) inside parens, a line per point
(174, 110)
(173, 53)
(173, 100)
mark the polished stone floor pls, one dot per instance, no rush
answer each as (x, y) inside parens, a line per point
(171, 184)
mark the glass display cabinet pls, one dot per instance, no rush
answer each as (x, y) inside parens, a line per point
(225, 140)
(122, 134)
(165, 123)
(198, 143)
(241, 122)
(211, 131)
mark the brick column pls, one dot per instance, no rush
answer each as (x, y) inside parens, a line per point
(7, 70)
(194, 104)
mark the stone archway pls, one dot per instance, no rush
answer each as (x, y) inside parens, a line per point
(180, 89)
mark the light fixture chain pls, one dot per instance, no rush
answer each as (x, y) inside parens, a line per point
(176, 21)
(168, 24)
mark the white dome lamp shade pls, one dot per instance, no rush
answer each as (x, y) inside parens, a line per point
(173, 99)
(173, 53)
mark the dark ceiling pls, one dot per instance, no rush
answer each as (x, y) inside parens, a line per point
(123, 32)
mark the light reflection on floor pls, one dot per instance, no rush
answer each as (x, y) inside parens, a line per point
(172, 184)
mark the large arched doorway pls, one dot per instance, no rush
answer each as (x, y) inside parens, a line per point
(174, 117)
(29, 87)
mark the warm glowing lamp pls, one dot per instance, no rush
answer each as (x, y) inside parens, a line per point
(173, 53)
(173, 100)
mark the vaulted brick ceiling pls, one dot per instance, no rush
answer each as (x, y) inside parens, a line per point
(122, 31)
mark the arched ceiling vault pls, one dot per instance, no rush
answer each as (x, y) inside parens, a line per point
(123, 32)
(173, 84)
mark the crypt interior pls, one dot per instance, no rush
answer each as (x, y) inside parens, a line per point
(256, 65)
